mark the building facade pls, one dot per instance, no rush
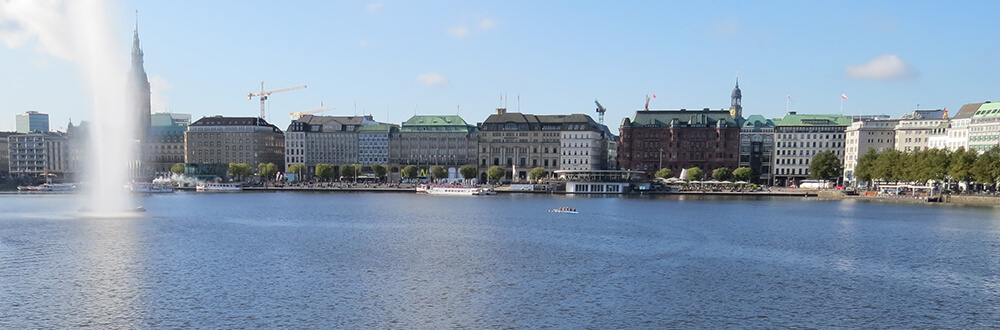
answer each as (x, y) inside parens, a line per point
(798, 138)
(864, 135)
(373, 143)
(984, 128)
(32, 122)
(914, 130)
(223, 140)
(164, 144)
(757, 148)
(958, 128)
(433, 140)
(333, 140)
(39, 154)
(584, 144)
(679, 139)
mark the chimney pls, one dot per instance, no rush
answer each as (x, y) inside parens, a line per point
(501, 111)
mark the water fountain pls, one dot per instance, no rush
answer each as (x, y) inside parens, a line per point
(79, 31)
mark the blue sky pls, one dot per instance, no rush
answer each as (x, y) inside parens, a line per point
(449, 57)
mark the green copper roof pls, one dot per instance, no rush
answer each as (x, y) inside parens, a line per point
(685, 118)
(755, 120)
(436, 124)
(988, 110)
(812, 120)
(376, 128)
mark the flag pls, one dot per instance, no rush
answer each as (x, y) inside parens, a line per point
(789, 96)
(843, 96)
(654, 95)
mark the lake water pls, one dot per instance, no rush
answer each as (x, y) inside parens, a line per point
(392, 260)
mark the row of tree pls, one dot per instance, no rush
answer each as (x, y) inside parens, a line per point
(932, 164)
(721, 174)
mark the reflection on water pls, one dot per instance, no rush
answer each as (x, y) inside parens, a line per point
(409, 261)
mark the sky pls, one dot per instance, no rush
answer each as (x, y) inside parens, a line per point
(394, 59)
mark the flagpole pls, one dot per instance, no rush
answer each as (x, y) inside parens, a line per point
(841, 106)
(789, 100)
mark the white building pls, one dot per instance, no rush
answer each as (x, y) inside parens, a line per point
(984, 129)
(914, 130)
(333, 140)
(864, 135)
(798, 138)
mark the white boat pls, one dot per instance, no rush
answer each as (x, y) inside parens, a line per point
(50, 187)
(218, 187)
(149, 188)
(454, 190)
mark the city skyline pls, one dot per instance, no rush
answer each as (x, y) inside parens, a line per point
(394, 60)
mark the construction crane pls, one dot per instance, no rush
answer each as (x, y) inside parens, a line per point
(296, 115)
(600, 111)
(263, 95)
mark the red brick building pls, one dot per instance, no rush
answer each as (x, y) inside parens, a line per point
(679, 139)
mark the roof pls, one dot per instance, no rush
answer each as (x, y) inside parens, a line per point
(987, 110)
(343, 120)
(536, 122)
(682, 117)
(967, 110)
(758, 120)
(232, 121)
(161, 119)
(925, 114)
(385, 128)
(793, 119)
(423, 123)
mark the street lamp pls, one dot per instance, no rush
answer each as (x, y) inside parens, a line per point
(661, 159)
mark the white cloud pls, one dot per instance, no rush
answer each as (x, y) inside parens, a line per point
(459, 32)
(47, 21)
(374, 6)
(885, 67)
(158, 101)
(433, 79)
(486, 24)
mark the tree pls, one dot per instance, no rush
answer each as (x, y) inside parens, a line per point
(888, 167)
(865, 169)
(930, 164)
(742, 173)
(325, 171)
(694, 174)
(267, 171)
(826, 165)
(537, 173)
(350, 171)
(240, 170)
(468, 171)
(722, 174)
(495, 173)
(961, 164)
(178, 168)
(664, 173)
(986, 169)
(439, 172)
(297, 169)
(410, 171)
(380, 171)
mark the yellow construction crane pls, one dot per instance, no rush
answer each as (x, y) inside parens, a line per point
(296, 115)
(263, 95)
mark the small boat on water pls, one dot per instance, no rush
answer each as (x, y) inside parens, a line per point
(149, 187)
(454, 190)
(565, 210)
(218, 187)
(49, 187)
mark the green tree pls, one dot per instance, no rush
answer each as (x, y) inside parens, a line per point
(350, 171)
(537, 173)
(929, 164)
(178, 168)
(468, 171)
(961, 165)
(240, 170)
(439, 172)
(888, 167)
(986, 169)
(742, 173)
(325, 171)
(865, 169)
(495, 173)
(722, 174)
(380, 171)
(297, 169)
(826, 166)
(695, 174)
(664, 173)
(267, 171)
(410, 171)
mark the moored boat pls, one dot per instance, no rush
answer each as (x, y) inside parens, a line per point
(49, 187)
(218, 187)
(454, 190)
(149, 187)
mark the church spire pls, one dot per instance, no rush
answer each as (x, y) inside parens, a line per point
(736, 109)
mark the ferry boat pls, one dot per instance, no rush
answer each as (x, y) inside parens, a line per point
(149, 187)
(454, 190)
(49, 187)
(218, 187)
